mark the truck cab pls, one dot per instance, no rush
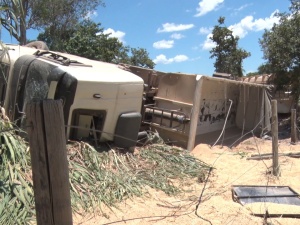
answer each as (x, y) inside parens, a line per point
(100, 100)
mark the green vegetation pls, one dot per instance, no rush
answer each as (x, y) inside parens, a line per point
(281, 48)
(97, 178)
(9, 18)
(56, 15)
(87, 39)
(16, 192)
(110, 177)
(67, 28)
(229, 57)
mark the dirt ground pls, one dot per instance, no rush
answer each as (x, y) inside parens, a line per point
(217, 206)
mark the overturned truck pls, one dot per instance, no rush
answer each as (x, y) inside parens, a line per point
(108, 102)
(188, 109)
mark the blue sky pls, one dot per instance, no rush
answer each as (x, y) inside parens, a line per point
(176, 32)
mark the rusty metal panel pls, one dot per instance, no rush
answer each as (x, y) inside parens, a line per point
(215, 104)
(246, 106)
(175, 92)
(177, 87)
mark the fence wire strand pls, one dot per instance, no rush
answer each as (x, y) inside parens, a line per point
(221, 189)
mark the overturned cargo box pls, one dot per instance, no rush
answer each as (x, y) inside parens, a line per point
(284, 97)
(192, 109)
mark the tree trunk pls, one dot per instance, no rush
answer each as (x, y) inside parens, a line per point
(23, 25)
(22, 38)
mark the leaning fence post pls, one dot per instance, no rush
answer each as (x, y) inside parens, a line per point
(294, 137)
(49, 162)
(276, 169)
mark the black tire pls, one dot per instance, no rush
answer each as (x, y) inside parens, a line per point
(38, 45)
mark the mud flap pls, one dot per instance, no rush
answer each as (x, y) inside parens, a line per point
(127, 129)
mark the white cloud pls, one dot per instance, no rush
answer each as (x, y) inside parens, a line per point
(162, 59)
(208, 43)
(205, 6)
(248, 23)
(243, 7)
(242, 28)
(171, 27)
(195, 59)
(177, 36)
(205, 30)
(163, 44)
(117, 34)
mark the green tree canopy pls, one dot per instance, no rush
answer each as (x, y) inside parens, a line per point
(55, 15)
(229, 57)
(9, 16)
(252, 74)
(140, 57)
(87, 39)
(281, 49)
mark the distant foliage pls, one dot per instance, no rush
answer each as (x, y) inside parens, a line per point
(281, 49)
(140, 57)
(9, 17)
(229, 57)
(87, 39)
(56, 15)
(252, 74)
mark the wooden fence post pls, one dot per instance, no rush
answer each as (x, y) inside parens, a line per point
(294, 133)
(276, 169)
(49, 162)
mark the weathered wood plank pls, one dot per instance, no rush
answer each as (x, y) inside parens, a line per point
(58, 163)
(39, 164)
(49, 162)
(294, 133)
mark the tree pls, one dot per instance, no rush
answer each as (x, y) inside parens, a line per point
(140, 57)
(229, 57)
(252, 74)
(87, 39)
(281, 49)
(9, 16)
(264, 69)
(55, 15)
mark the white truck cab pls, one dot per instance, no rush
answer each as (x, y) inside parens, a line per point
(96, 95)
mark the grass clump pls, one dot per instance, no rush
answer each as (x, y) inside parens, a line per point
(111, 176)
(16, 190)
(97, 178)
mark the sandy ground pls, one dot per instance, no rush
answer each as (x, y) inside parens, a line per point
(217, 206)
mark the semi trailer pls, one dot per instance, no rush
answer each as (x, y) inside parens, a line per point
(108, 102)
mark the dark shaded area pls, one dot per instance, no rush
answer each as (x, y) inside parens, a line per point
(231, 137)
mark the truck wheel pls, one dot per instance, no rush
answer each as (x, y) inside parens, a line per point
(38, 45)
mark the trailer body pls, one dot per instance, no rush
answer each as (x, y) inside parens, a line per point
(190, 109)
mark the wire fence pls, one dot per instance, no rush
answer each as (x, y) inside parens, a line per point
(208, 189)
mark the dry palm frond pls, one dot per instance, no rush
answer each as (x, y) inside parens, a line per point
(97, 178)
(16, 192)
(109, 177)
